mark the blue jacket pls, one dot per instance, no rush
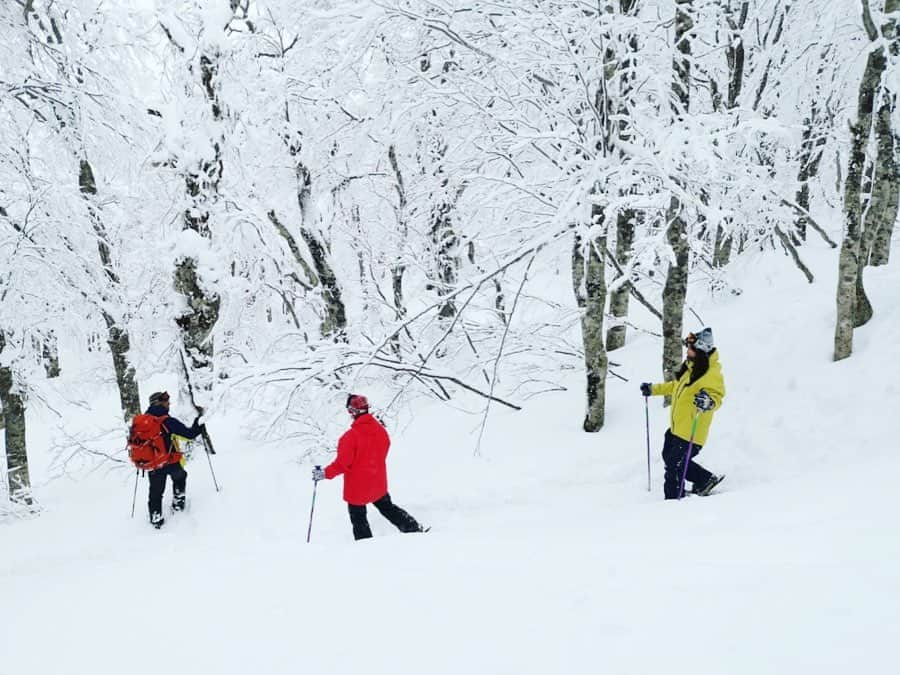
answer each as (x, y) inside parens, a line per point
(172, 425)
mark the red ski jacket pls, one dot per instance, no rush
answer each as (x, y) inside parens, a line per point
(361, 456)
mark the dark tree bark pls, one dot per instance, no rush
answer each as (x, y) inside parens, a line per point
(589, 282)
(625, 219)
(675, 289)
(812, 148)
(50, 355)
(851, 248)
(618, 300)
(201, 313)
(117, 336)
(882, 212)
(17, 475)
(735, 58)
(335, 321)
(398, 268)
(884, 208)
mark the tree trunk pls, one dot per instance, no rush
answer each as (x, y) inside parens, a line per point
(882, 211)
(618, 301)
(626, 219)
(881, 244)
(888, 190)
(851, 247)
(398, 268)
(681, 64)
(675, 289)
(117, 337)
(50, 355)
(589, 280)
(17, 475)
(119, 346)
(811, 151)
(446, 245)
(735, 58)
(335, 321)
(202, 306)
(722, 247)
(734, 52)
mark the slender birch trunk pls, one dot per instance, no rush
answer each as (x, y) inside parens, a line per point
(626, 219)
(851, 247)
(812, 148)
(618, 299)
(735, 58)
(117, 336)
(675, 289)
(888, 138)
(589, 282)
(398, 267)
(882, 211)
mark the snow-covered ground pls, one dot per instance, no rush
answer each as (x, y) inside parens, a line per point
(548, 555)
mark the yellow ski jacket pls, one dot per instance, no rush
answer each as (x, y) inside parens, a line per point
(682, 394)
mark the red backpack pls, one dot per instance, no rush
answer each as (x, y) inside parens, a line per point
(146, 446)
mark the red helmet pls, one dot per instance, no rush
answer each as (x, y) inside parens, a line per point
(357, 404)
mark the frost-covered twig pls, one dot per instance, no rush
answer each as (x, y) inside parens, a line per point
(512, 312)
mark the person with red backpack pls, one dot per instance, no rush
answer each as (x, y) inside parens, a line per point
(361, 456)
(152, 448)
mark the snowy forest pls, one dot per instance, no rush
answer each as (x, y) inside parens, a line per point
(508, 226)
(283, 201)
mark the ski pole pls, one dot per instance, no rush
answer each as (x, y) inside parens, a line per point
(312, 510)
(687, 455)
(209, 459)
(134, 498)
(647, 421)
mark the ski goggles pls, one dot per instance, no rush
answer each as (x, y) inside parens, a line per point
(690, 340)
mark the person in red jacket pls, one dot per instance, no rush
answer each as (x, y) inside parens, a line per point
(361, 455)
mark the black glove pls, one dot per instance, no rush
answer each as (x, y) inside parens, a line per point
(646, 388)
(704, 401)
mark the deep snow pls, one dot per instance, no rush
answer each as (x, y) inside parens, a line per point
(548, 555)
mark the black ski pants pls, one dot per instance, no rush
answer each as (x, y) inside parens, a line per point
(158, 486)
(400, 518)
(674, 453)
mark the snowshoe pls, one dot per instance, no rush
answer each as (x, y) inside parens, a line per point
(711, 483)
(182, 505)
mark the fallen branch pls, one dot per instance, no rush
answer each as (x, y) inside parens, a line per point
(512, 311)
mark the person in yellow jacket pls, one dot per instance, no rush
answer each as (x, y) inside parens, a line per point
(697, 391)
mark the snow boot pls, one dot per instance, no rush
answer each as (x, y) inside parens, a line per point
(710, 484)
(157, 520)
